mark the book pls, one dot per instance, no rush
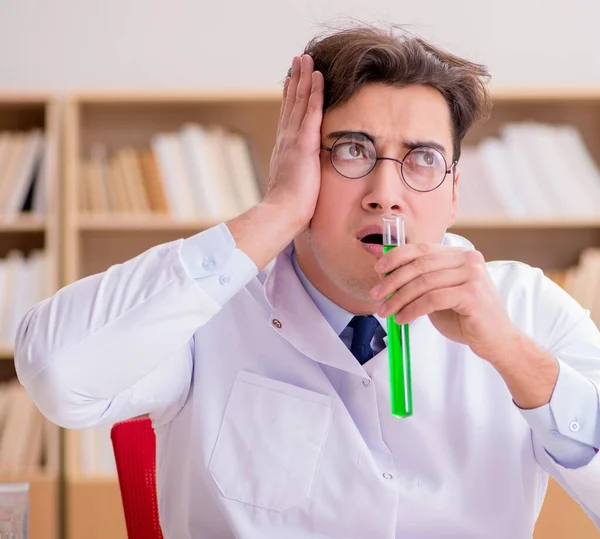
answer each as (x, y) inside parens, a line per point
(195, 172)
(530, 171)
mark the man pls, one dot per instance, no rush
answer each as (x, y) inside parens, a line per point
(258, 347)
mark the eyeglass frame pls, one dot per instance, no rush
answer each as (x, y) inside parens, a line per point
(452, 168)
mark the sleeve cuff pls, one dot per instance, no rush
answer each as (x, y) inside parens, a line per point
(211, 258)
(566, 427)
(575, 406)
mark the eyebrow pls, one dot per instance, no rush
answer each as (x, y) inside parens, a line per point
(408, 144)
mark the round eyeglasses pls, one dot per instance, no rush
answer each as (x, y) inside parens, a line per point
(423, 169)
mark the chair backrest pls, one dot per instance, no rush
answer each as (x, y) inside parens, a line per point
(134, 445)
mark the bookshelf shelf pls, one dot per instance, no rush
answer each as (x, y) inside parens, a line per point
(6, 353)
(24, 223)
(95, 510)
(108, 222)
(99, 223)
(527, 224)
(92, 480)
(31, 117)
(226, 95)
(541, 94)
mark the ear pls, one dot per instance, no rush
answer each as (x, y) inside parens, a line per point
(455, 181)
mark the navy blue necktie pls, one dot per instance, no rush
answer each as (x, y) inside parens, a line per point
(364, 328)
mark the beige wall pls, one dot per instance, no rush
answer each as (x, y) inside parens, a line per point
(62, 44)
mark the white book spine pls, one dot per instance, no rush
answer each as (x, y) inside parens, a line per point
(580, 162)
(169, 157)
(242, 168)
(198, 160)
(4, 304)
(224, 174)
(530, 178)
(568, 189)
(24, 174)
(502, 179)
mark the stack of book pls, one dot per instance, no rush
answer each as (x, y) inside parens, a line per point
(22, 176)
(91, 453)
(583, 282)
(29, 444)
(23, 283)
(530, 172)
(196, 172)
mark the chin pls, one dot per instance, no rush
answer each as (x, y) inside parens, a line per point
(349, 267)
(358, 284)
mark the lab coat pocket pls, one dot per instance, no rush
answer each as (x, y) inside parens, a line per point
(270, 443)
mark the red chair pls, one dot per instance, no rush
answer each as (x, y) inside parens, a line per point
(134, 445)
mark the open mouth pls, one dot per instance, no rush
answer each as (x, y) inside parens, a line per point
(377, 239)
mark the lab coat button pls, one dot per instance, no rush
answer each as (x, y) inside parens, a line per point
(276, 323)
(388, 476)
(208, 263)
(224, 279)
(574, 426)
(366, 382)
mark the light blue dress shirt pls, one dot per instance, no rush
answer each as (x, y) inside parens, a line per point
(574, 407)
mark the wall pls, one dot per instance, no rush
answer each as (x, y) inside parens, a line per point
(63, 44)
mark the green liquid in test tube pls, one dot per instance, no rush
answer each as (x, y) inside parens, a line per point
(398, 335)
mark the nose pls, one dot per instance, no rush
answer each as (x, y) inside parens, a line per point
(386, 188)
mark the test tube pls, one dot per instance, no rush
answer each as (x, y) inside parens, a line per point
(398, 335)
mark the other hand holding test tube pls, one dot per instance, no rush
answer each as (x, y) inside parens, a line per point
(398, 335)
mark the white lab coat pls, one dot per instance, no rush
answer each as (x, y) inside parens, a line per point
(267, 427)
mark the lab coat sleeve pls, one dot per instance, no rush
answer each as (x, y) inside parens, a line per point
(120, 343)
(568, 426)
(565, 329)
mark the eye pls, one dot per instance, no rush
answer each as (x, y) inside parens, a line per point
(351, 151)
(426, 157)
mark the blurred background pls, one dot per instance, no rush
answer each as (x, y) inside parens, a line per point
(128, 123)
(68, 44)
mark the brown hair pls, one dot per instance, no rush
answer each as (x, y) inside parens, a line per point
(355, 56)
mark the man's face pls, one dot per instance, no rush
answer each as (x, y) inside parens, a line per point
(330, 251)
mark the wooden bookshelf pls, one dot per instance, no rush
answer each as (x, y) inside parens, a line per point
(497, 224)
(91, 242)
(26, 232)
(103, 223)
(131, 118)
(117, 119)
(96, 509)
(25, 223)
(547, 244)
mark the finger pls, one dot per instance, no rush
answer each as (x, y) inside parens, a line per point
(405, 254)
(290, 97)
(436, 300)
(419, 268)
(422, 286)
(311, 124)
(286, 85)
(302, 93)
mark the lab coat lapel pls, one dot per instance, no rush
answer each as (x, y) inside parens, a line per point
(302, 324)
